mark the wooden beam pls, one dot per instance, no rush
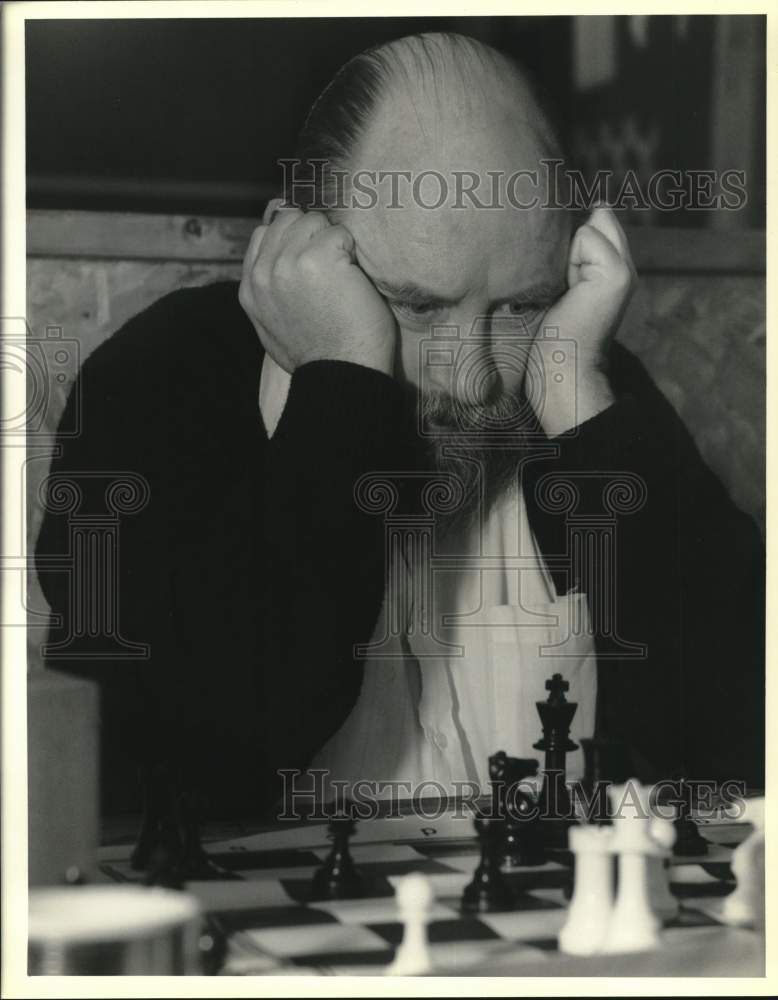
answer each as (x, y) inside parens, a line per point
(136, 236)
(738, 53)
(131, 236)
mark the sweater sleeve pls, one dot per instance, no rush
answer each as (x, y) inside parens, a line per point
(323, 554)
(675, 585)
(108, 601)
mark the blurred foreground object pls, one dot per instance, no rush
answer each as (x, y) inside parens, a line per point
(113, 930)
(62, 778)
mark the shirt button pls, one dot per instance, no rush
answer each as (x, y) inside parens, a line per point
(440, 741)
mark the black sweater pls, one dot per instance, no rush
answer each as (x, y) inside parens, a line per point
(251, 572)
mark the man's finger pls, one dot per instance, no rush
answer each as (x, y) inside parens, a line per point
(604, 220)
(299, 235)
(591, 246)
(271, 209)
(284, 217)
(338, 238)
(252, 250)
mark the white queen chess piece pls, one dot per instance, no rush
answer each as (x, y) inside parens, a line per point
(639, 839)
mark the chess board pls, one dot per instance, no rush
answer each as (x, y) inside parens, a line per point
(263, 903)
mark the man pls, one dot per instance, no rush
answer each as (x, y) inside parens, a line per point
(258, 573)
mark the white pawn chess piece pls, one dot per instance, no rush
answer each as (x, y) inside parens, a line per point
(414, 897)
(633, 925)
(663, 902)
(588, 916)
(745, 906)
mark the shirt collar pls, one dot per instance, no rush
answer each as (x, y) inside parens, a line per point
(273, 391)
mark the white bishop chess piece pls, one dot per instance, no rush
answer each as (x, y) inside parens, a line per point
(745, 906)
(414, 898)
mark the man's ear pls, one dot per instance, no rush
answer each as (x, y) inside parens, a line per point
(270, 210)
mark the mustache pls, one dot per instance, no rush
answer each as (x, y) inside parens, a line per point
(501, 413)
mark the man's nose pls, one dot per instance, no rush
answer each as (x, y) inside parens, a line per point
(476, 367)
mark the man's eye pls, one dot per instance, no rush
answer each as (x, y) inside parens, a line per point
(414, 309)
(524, 310)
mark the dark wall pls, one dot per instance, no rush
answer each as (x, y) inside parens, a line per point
(193, 114)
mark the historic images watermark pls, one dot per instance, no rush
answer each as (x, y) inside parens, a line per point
(42, 374)
(37, 368)
(315, 795)
(317, 184)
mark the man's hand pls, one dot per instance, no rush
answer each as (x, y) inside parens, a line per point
(308, 299)
(600, 278)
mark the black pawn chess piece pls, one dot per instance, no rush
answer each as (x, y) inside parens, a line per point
(169, 848)
(606, 763)
(689, 842)
(338, 877)
(522, 841)
(488, 892)
(556, 714)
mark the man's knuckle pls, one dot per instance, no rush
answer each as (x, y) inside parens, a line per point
(622, 275)
(260, 277)
(280, 270)
(308, 263)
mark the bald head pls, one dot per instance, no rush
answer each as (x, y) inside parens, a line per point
(446, 87)
(427, 96)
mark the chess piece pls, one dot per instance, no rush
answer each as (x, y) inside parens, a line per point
(663, 902)
(745, 906)
(168, 847)
(414, 901)
(488, 891)
(498, 766)
(606, 762)
(633, 925)
(689, 841)
(338, 878)
(589, 914)
(556, 714)
(522, 840)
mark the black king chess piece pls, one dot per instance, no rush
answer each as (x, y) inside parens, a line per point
(513, 801)
(556, 714)
(338, 877)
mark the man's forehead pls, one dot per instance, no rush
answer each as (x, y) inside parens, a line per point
(452, 251)
(450, 193)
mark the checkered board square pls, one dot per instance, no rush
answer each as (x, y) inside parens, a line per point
(263, 903)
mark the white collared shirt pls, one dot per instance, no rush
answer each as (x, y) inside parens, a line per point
(441, 696)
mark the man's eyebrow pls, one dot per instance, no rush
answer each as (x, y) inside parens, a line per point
(541, 292)
(409, 291)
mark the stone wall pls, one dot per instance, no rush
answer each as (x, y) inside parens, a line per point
(702, 338)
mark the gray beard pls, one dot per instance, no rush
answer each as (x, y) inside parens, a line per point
(480, 444)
